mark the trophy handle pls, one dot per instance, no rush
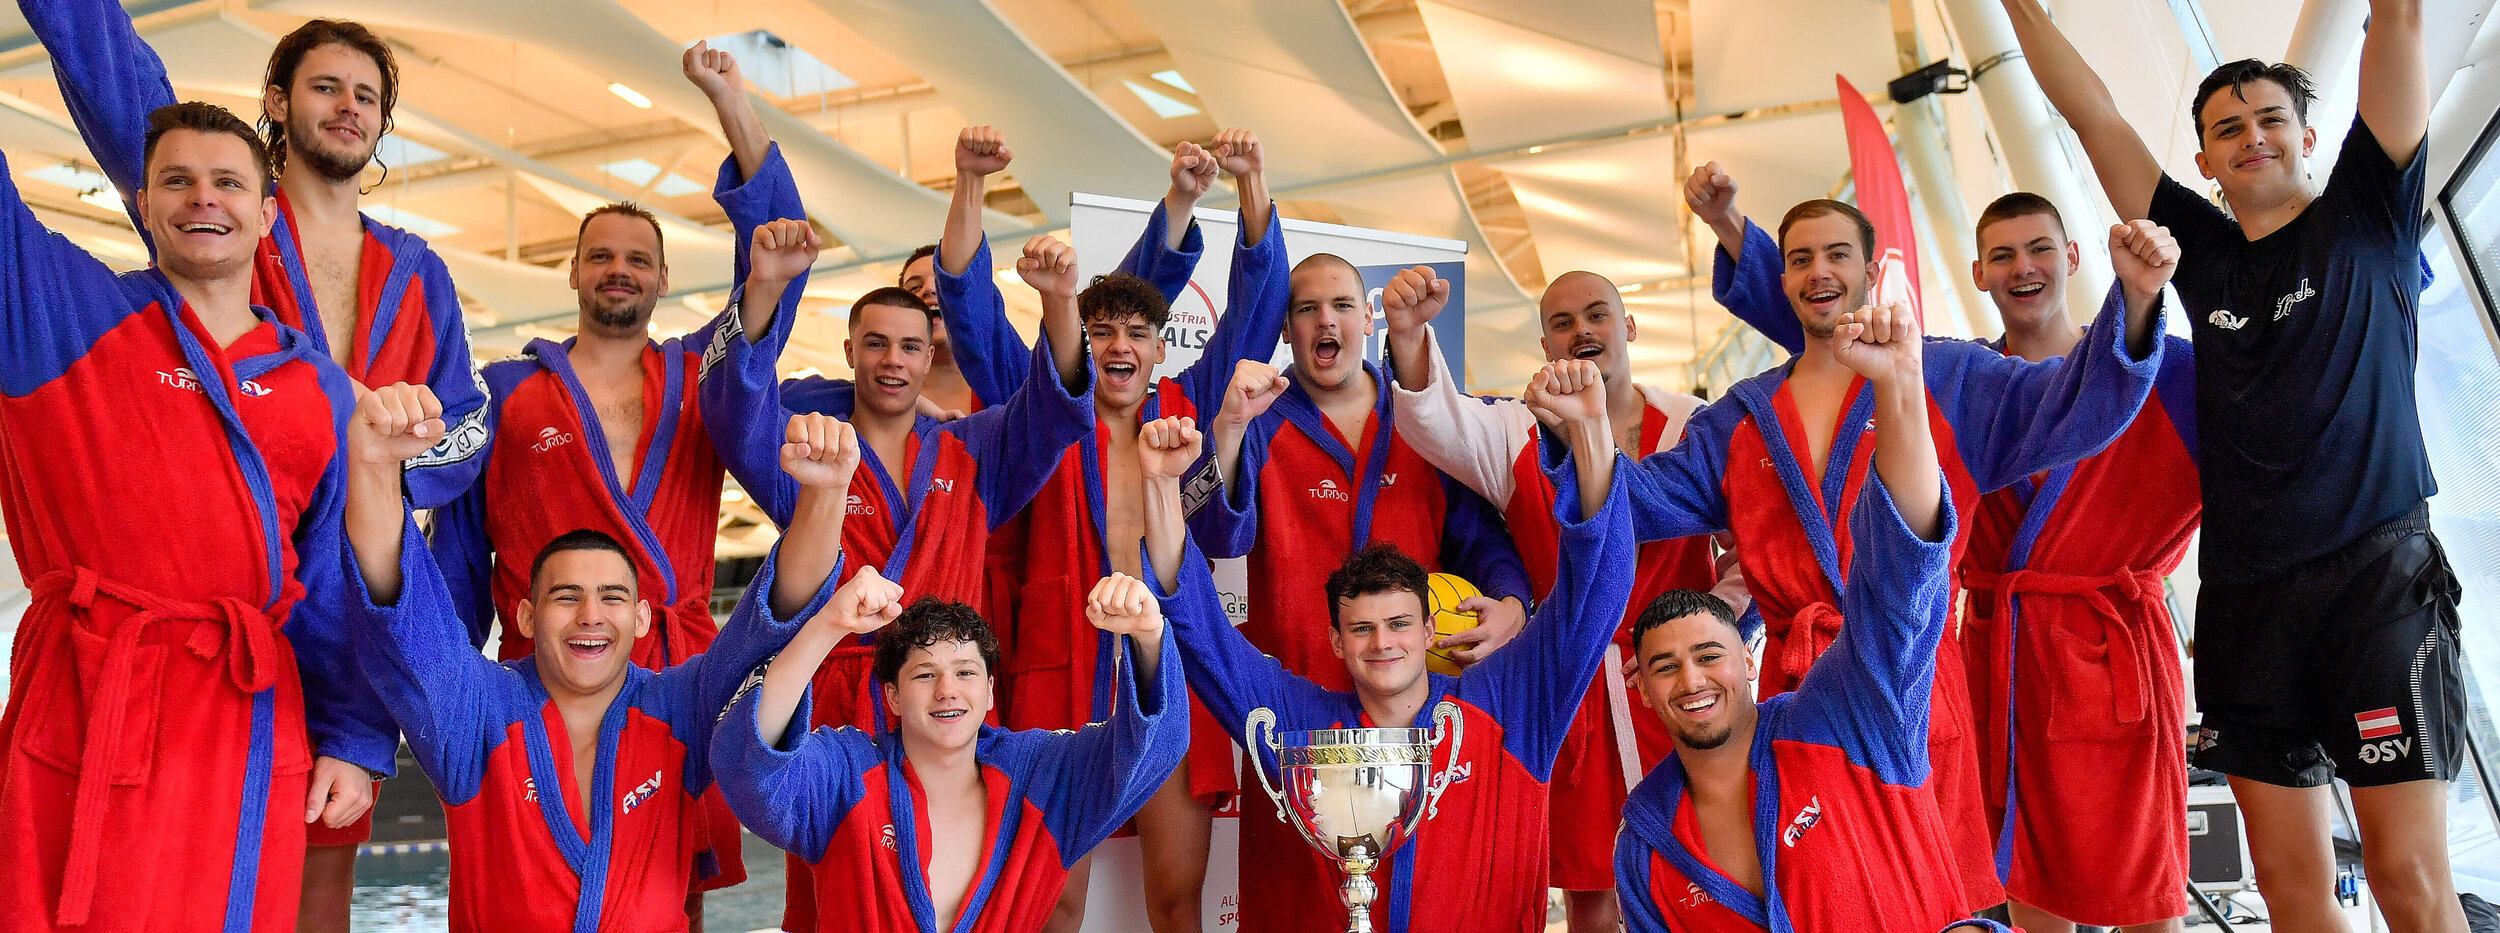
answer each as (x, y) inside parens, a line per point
(1446, 721)
(1263, 720)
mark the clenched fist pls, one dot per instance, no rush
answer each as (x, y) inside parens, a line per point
(1121, 604)
(783, 250)
(1255, 386)
(1413, 298)
(1049, 266)
(394, 423)
(1167, 446)
(820, 451)
(981, 150)
(862, 604)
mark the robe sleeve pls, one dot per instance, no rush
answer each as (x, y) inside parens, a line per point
(452, 465)
(697, 691)
(110, 79)
(740, 392)
(1019, 445)
(1227, 524)
(1475, 440)
(1681, 491)
(1750, 289)
(1534, 685)
(1091, 781)
(1227, 673)
(753, 202)
(56, 301)
(1166, 268)
(1253, 321)
(2012, 418)
(1869, 695)
(443, 693)
(987, 348)
(342, 712)
(795, 794)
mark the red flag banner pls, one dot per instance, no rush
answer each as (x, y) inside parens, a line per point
(1885, 200)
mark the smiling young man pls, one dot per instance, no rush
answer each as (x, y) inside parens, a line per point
(2072, 656)
(183, 701)
(946, 822)
(1479, 863)
(2318, 553)
(1806, 812)
(1492, 445)
(1086, 523)
(573, 779)
(1780, 461)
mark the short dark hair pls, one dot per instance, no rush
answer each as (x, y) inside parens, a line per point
(199, 117)
(289, 56)
(1121, 295)
(916, 256)
(1824, 207)
(580, 539)
(1327, 259)
(1380, 568)
(2018, 204)
(1676, 604)
(928, 622)
(629, 209)
(893, 296)
(2234, 75)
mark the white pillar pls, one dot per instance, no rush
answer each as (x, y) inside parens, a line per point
(2030, 141)
(1920, 140)
(2326, 43)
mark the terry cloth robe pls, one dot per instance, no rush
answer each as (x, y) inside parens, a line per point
(1478, 863)
(1996, 420)
(1848, 840)
(1491, 446)
(162, 495)
(528, 852)
(2074, 668)
(1306, 500)
(408, 323)
(1057, 665)
(849, 805)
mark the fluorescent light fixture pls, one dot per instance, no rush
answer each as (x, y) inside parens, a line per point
(105, 198)
(1532, 150)
(401, 152)
(1174, 79)
(414, 223)
(92, 187)
(779, 68)
(1634, 287)
(630, 95)
(1162, 104)
(641, 171)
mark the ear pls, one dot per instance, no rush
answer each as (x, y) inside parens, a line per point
(642, 618)
(2074, 257)
(2202, 167)
(890, 695)
(573, 269)
(1157, 354)
(273, 104)
(524, 617)
(140, 199)
(2308, 141)
(268, 212)
(851, 358)
(663, 289)
(1631, 327)
(1336, 639)
(1975, 281)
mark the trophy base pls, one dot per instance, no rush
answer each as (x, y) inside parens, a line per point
(1358, 892)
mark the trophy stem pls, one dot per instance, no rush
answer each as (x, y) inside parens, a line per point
(1358, 891)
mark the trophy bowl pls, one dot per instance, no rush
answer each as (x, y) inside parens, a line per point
(1356, 794)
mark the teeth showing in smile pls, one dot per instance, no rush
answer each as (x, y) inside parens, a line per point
(949, 715)
(2026, 291)
(1587, 351)
(1829, 295)
(1697, 704)
(205, 228)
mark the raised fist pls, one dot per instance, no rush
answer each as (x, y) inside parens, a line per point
(1167, 446)
(1193, 171)
(1122, 605)
(864, 603)
(1049, 266)
(2144, 256)
(1237, 152)
(981, 150)
(1568, 391)
(394, 423)
(1881, 343)
(1711, 193)
(783, 250)
(1413, 298)
(1255, 386)
(820, 451)
(713, 71)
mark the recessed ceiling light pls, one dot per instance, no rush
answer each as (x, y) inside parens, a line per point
(630, 95)
(1162, 104)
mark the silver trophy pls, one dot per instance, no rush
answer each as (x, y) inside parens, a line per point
(1357, 794)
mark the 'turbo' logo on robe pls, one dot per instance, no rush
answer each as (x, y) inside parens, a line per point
(1327, 489)
(549, 439)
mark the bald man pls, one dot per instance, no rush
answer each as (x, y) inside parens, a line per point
(1491, 446)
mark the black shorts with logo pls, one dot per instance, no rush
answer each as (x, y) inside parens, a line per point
(2343, 666)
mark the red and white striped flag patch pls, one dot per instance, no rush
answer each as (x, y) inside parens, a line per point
(2378, 723)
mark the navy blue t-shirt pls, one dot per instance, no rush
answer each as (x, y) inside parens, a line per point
(2305, 349)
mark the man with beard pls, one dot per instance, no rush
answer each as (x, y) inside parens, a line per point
(2323, 584)
(605, 431)
(373, 297)
(1805, 813)
(1492, 446)
(160, 755)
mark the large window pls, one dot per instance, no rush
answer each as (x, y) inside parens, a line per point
(2472, 203)
(2459, 380)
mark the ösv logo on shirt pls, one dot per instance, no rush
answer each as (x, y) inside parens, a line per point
(1327, 489)
(1804, 820)
(549, 438)
(2283, 305)
(2226, 320)
(642, 792)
